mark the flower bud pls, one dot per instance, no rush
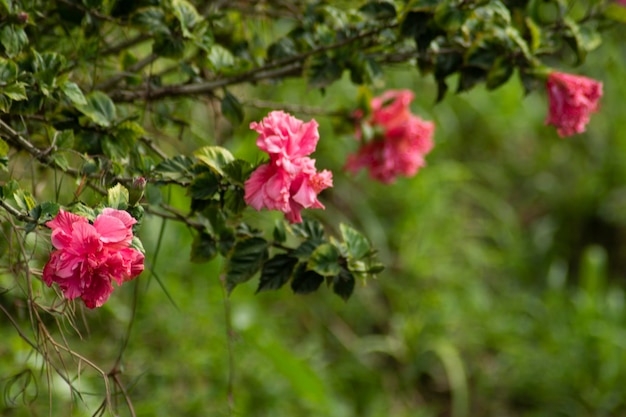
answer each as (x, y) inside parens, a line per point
(135, 191)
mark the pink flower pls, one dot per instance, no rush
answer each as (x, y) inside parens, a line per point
(572, 99)
(289, 182)
(89, 257)
(286, 139)
(401, 143)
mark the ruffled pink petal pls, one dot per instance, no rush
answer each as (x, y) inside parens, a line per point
(113, 232)
(572, 100)
(267, 187)
(98, 292)
(62, 226)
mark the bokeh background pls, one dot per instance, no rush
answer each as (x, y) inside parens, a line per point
(503, 293)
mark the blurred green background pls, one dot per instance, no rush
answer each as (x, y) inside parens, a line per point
(503, 293)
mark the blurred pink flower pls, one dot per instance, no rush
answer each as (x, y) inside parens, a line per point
(572, 99)
(289, 182)
(90, 256)
(401, 143)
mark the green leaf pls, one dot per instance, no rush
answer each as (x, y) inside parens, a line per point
(232, 108)
(73, 93)
(309, 228)
(246, 258)
(234, 200)
(60, 160)
(177, 168)
(8, 71)
(152, 19)
(220, 58)
(204, 186)
(357, 245)
(276, 272)
(304, 281)
(16, 91)
(283, 48)
(279, 233)
(500, 72)
(306, 248)
(4, 148)
(5, 104)
(321, 71)
(44, 211)
(203, 248)
(14, 39)
(325, 260)
(24, 200)
(64, 139)
(215, 157)
(343, 284)
(379, 10)
(238, 171)
(117, 197)
(99, 108)
(168, 46)
(469, 77)
(187, 15)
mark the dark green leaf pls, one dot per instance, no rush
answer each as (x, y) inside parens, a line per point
(276, 272)
(321, 71)
(168, 46)
(500, 72)
(469, 77)
(44, 211)
(234, 200)
(309, 228)
(8, 71)
(306, 248)
(245, 260)
(283, 48)
(279, 233)
(379, 10)
(305, 282)
(343, 284)
(325, 260)
(203, 248)
(99, 108)
(238, 171)
(232, 108)
(204, 186)
(152, 19)
(177, 168)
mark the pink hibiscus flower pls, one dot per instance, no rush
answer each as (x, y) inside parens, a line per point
(402, 141)
(289, 182)
(572, 99)
(89, 257)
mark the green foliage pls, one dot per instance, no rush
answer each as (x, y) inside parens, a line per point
(492, 266)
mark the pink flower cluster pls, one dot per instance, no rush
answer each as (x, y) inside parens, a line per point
(572, 99)
(401, 142)
(289, 182)
(89, 257)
